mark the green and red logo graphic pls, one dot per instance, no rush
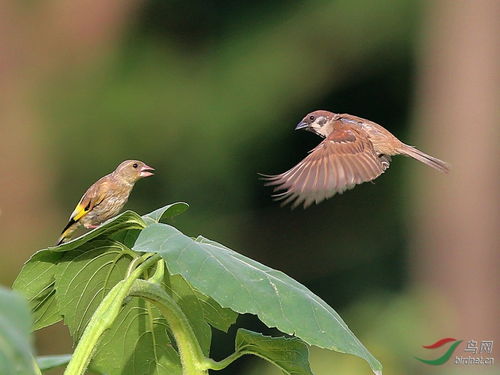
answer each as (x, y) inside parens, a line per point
(446, 356)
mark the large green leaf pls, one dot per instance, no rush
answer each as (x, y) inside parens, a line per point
(163, 214)
(247, 286)
(290, 354)
(126, 220)
(15, 329)
(36, 283)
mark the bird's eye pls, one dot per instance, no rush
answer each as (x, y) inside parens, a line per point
(311, 118)
(135, 165)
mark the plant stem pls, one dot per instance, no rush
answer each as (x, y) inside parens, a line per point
(132, 265)
(223, 363)
(157, 278)
(192, 358)
(103, 318)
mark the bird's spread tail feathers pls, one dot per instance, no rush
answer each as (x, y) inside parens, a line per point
(425, 158)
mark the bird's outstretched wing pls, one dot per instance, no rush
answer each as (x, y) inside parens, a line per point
(342, 160)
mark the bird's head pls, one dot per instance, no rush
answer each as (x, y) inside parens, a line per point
(318, 122)
(133, 170)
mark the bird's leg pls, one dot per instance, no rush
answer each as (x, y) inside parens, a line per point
(90, 226)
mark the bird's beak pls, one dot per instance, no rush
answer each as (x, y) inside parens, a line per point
(301, 125)
(146, 171)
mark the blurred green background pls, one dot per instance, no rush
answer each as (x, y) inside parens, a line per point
(209, 92)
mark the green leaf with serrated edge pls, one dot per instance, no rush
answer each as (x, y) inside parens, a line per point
(126, 220)
(36, 283)
(162, 214)
(15, 329)
(47, 362)
(290, 354)
(247, 286)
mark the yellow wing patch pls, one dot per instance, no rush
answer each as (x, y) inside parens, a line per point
(79, 212)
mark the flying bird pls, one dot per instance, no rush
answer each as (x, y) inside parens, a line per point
(106, 197)
(354, 150)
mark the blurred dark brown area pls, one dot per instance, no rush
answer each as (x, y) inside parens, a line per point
(208, 92)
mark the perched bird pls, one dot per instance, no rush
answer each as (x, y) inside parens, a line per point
(354, 150)
(105, 198)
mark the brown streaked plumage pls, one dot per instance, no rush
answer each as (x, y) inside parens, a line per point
(106, 197)
(355, 150)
